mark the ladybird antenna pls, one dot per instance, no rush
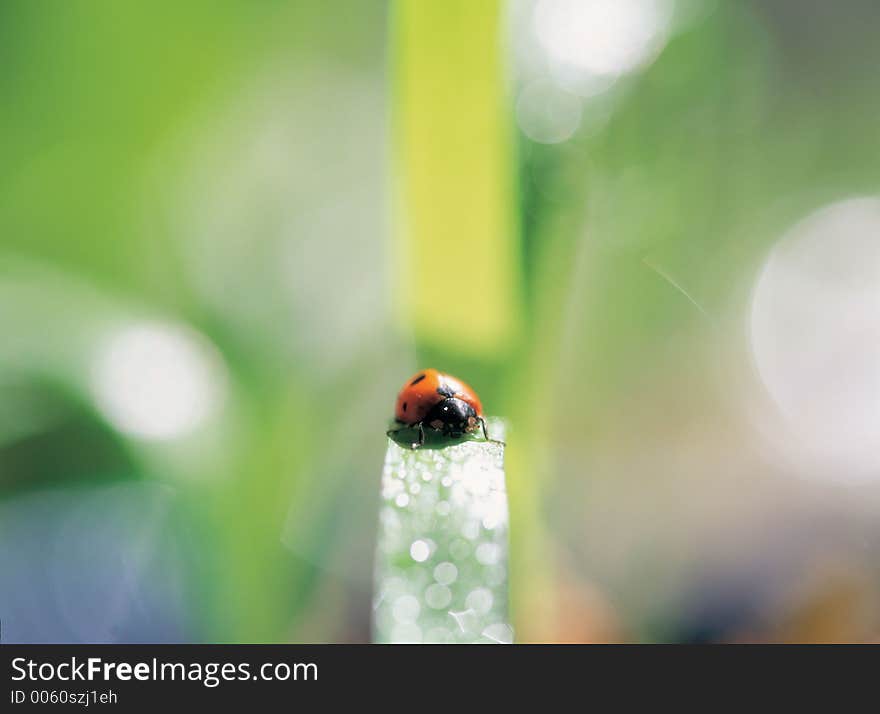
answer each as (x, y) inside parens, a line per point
(486, 433)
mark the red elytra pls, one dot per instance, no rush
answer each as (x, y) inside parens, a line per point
(425, 390)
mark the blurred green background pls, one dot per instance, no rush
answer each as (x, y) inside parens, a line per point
(646, 231)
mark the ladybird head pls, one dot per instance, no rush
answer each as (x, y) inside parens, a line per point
(452, 416)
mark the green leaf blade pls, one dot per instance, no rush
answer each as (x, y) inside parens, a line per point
(442, 553)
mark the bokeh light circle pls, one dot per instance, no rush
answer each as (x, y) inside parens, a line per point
(157, 381)
(815, 336)
(602, 37)
(547, 114)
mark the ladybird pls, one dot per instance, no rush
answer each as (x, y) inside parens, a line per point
(440, 402)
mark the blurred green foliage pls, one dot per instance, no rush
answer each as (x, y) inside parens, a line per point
(457, 251)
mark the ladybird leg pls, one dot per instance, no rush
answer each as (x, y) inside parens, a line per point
(486, 433)
(406, 427)
(421, 436)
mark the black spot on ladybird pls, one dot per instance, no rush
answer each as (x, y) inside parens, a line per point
(404, 406)
(417, 380)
